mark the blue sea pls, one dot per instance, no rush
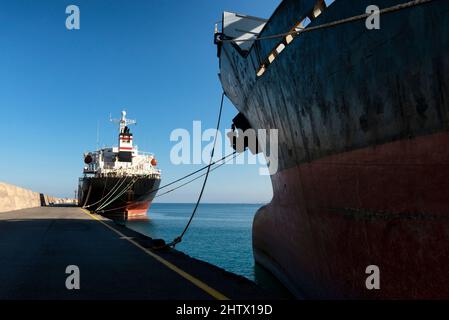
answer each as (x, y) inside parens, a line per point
(219, 233)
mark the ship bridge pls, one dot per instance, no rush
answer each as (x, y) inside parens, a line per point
(123, 160)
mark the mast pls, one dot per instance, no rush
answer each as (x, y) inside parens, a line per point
(125, 144)
(123, 122)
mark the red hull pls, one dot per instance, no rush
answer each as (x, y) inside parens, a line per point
(386, 205)
(138, 209)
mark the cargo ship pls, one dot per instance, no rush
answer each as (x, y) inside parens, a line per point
(362, 117)
(119, 180)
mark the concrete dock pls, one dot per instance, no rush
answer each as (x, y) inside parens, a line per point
(37, 245)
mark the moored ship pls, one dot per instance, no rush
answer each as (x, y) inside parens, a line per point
(119, 180)
(363, 120)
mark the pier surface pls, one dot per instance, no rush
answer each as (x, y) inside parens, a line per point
(37, 245)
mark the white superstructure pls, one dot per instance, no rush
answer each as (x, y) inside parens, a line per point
(124, 160)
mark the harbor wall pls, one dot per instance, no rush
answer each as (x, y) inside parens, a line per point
(16, 198)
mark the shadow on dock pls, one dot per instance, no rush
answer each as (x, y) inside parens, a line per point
(37, 245)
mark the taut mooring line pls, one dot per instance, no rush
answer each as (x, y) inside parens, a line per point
(179, 238)
(392, 9)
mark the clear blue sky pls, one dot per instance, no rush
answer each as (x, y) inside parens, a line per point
(155, 58)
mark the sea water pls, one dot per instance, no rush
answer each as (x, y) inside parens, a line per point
(219, 233)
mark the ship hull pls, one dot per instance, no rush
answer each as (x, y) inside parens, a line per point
(128, 196)
(385, 206)
(363, 121)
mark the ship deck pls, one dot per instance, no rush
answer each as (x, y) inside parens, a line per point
(37, 245)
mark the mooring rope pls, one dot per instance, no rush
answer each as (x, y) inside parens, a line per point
(179, 238)
(181, 185)
(208, 168)
(392, 9)
(129, 186)
(104, 196)
(196, 178)
(88, 195)
(110, 193)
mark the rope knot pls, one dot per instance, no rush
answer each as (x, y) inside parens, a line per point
(176, 241)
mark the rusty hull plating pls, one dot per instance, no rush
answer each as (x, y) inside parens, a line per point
(363, 148)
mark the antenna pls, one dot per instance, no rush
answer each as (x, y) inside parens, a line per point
(98, 134)
(123, 121)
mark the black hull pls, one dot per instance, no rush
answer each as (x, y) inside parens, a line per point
(117, 195)
(345, 88)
